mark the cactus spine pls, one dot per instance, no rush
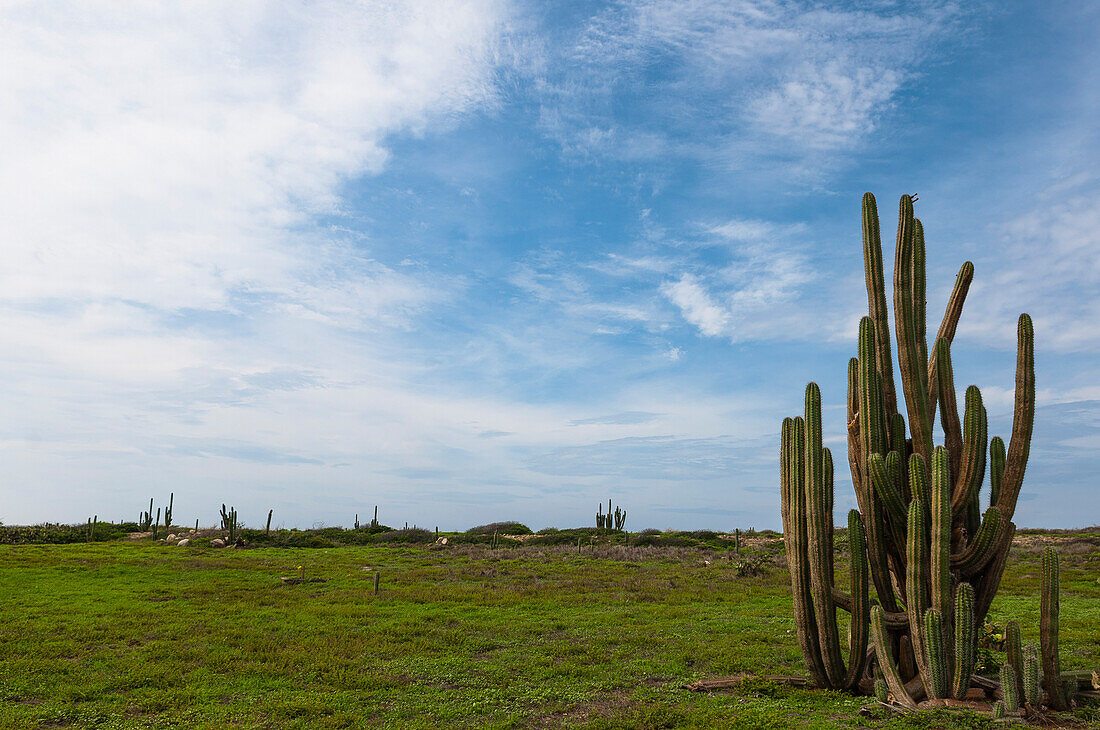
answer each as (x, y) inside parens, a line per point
(927, 543)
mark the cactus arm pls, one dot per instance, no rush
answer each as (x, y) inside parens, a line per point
(950, 323)
(990, 580)
(855, 447)
(980, 550)
(857, 644)
(914, 375)
(819, 531)
(919, 481)
(949, 411)
(972, 466)
(920, 296)
(917, 583)
(996, 467)
(937, 654)
(794, 534)
(885, 487)
(940, 542)
(881, 639)
(965, 642)
(1048, 631)
(872, 423)
(1023, 419)
(876, 302)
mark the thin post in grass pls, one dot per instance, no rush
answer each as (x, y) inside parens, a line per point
(377, 580)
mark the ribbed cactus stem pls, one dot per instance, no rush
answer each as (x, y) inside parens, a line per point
(1048, 631)
(876, 302)
(819, 530)
(936, 655)
(1032, 686)
(1014, 654)
(944, 389)
(972, 464)
(1023, 418)
(1009, 689)
(965, 640)
(982, 546)
(914, 374)
(871, 420)
(885, 487)
(860, 626)
(885, 655)
(917, 582)
(881, 691)
(998, 711)
(996, 467)
(940, 543)
(920, 295)
(793, 472)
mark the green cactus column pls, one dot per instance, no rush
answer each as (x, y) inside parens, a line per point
(1048, 631)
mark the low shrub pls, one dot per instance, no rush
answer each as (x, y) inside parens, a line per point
(501, 528)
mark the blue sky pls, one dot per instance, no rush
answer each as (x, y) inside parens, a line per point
(490, 260)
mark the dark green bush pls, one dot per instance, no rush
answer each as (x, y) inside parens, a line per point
(501, 528)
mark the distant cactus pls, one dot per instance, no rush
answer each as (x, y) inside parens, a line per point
(229, 524)
(612, 520)
(934, 558)
(168, 510)
(146, 521)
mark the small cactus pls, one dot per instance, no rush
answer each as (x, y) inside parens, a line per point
(1048, 631)
(1033, 691)
(1008, 689)
(998, 710)
(881, 693)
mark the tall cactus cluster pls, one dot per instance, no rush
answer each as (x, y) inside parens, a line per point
(229, 523)
(920, 535)
(612, 520)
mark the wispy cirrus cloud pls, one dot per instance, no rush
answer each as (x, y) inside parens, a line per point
(789, 81)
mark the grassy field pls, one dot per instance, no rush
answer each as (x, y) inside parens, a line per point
(134, 634)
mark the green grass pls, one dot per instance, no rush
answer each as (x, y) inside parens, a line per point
(143, 635)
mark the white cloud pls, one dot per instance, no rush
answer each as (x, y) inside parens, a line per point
(697, 306)
(159, 154)
(750, 80)
(829, 106)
